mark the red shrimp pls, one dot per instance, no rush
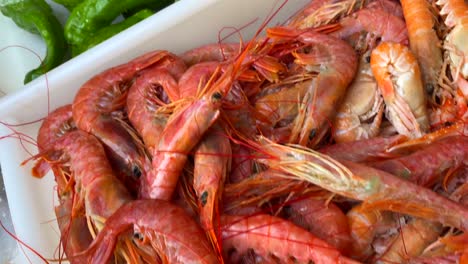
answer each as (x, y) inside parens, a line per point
(101, 191)
(152, 89)
(428, 165)
(71, 219)
(336, 63)
(186, 127)
(158, 226)
(97, 104)
(322, 12)
(212, 164)
(376, 24)
(196, 77)
(211, 52)
(380, 190)
(362, 150)
(273, 238)
(389, 6)
(322, 219)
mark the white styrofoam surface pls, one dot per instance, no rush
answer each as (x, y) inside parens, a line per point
(183, 25)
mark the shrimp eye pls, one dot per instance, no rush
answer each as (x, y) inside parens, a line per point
(312, 134)
(217, 96)
(367, 59)
(203, 198)
(136, 171)
(138, 236)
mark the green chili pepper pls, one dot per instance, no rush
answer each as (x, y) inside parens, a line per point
(69, 4)
(91, 15)
(111, 30)
(152, 5)
(37, 17)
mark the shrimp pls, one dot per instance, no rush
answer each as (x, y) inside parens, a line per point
(380, 190)
(428, 165)
(371, 25)
(96, 105)
(336, 63)
(323, 12)
(423, 40)
(71, 219)
(212, 164)
(159, 227)
(365, 150)
(186, 127)
(360, 114)
(101, 191)
(152, 89)
(211, 52)
(410, 242)
(324, 220)
(364, 226)
(397, 73)
(456, 19)
(196, 77)
(273, 238)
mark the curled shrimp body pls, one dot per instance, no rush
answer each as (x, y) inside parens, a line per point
(360, 114)
(71, 219)
(376, 25)
(159, 227)
(397, 73)
(423, 40)
(96, 105)
(336, 63)
(101, 191)
(274, 238)
(150, 91)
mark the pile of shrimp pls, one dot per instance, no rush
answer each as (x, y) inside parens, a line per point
(338, 137)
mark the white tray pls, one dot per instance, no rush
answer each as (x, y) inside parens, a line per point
(181, 26)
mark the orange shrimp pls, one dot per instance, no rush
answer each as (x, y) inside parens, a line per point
(397, 73)
(153, 88)
(423, 40)
(360, 114)
(158, 227)
(212, 164)
(274, 238)
(410, 242)
(380, 190)
(336, 63)
(97, 103)
(322, 219)
(364, 226)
